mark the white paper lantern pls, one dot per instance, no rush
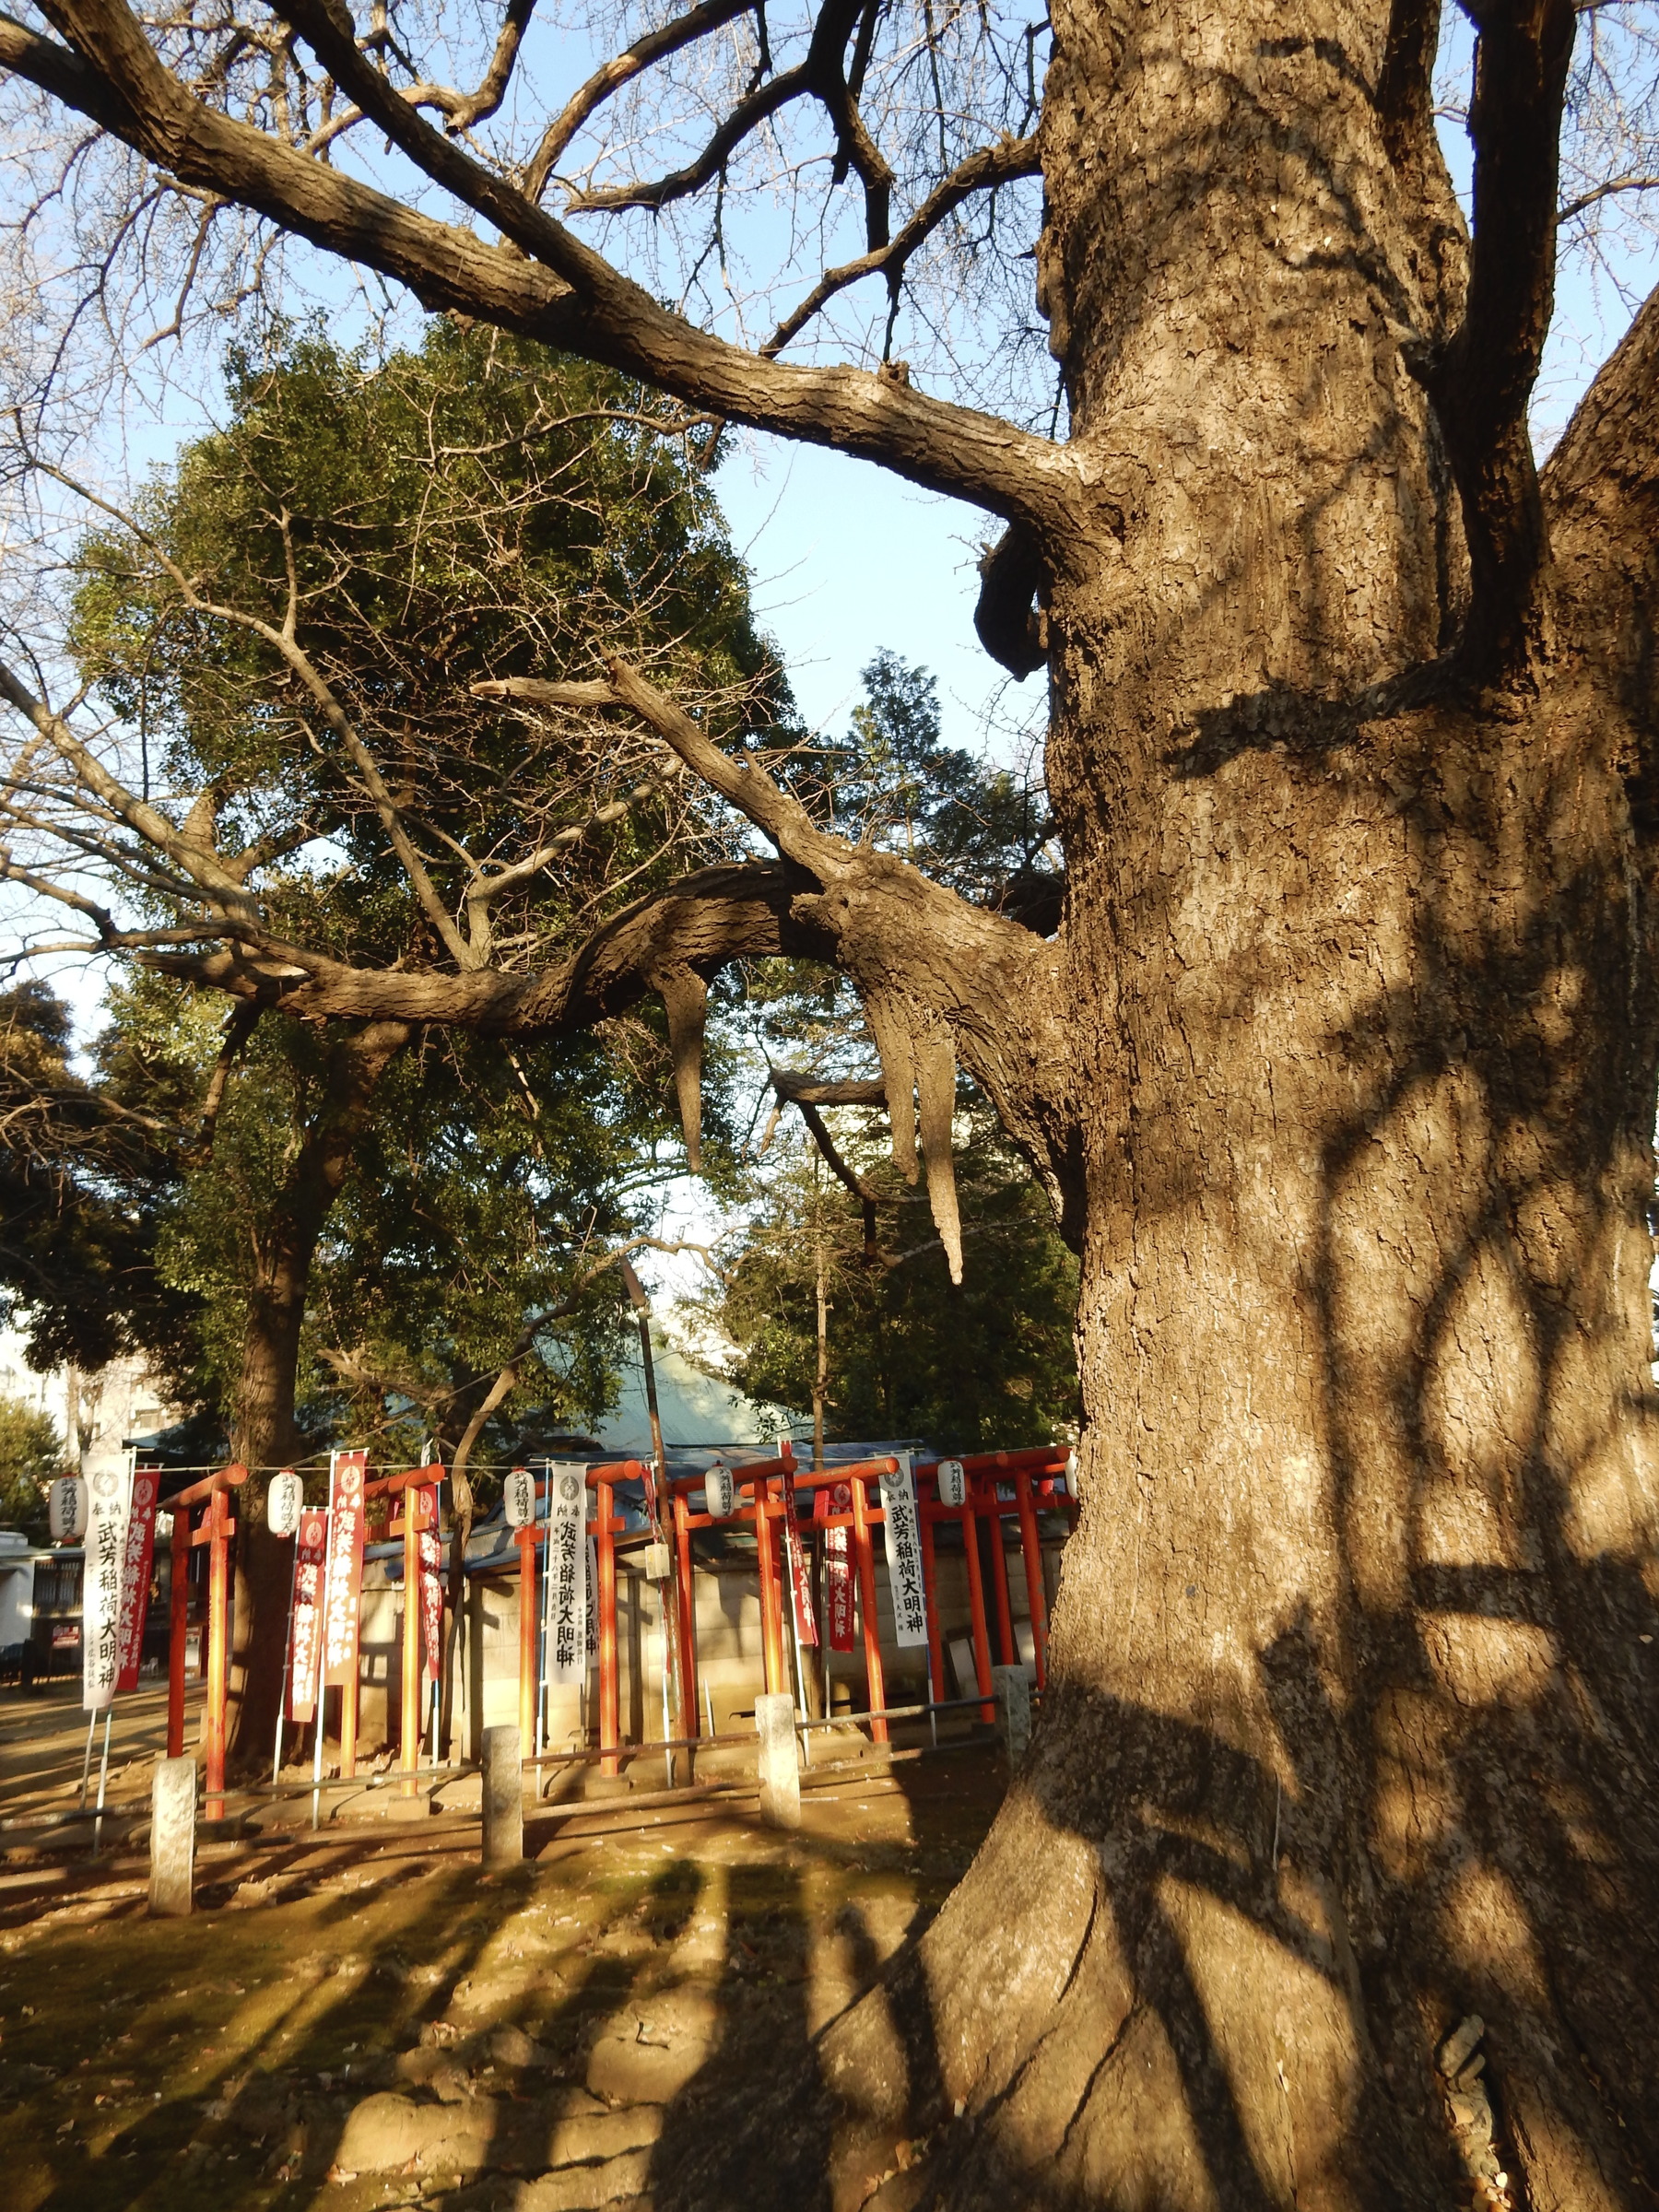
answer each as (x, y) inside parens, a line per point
(720, 1492)
(518, 1494)
(953, 1482)
(68, 1508)
(283, 1501)
(1066, 1485)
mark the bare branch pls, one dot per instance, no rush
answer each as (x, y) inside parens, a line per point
(1633, 181)
(992, 165)
(565, 294)
(203, 867)
(695, 23)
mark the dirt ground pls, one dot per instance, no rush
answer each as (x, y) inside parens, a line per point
(362, 2019)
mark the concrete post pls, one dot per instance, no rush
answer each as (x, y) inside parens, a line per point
(779, 1765)
(503, 1796)
(1012, 1689)
(172, 1837)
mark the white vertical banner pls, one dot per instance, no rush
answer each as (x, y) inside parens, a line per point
(107, 1492)
(903, 1532)
(567, 1573)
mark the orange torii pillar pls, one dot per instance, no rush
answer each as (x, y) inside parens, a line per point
(760, 1478)
(216, 1531)
(526, 1539)
(763, 1508)
(603, 1482)
(865, 1558)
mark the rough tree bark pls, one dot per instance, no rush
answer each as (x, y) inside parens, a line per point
(262, 1400)
(1341, 1074)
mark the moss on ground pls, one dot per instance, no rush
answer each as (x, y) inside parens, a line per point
(340, 2000)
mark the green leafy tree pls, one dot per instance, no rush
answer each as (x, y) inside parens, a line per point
(980, 1365)
(31, 1453)
(85, 1175)
(840, 1296)
(287, 627)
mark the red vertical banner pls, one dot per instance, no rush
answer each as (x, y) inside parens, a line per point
(311, 1557)
(838, 1565)
(344, 1579)
(794, 1554)
(432, 1580)
(136, 1578)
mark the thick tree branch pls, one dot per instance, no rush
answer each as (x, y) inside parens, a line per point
(565, 294)
(1601, 498)
(733, 911)
(1483, 383)
(937, 976)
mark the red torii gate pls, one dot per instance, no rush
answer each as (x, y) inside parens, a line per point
(764, 1510)
(1024, 1470)
(767, 1507)
(605, 1527)
(216, 1531)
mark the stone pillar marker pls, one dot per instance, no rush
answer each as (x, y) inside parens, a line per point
(503, 1796)
(172, 1838)
(779, 1763)
(1012, 1689)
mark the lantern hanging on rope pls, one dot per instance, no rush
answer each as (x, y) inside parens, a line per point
(284, 1500)
(66, 1509)
(953, 1483)
(518, 1496)
(720, 1492)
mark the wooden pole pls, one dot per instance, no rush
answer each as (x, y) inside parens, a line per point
(657, 1492)
(935, 1640)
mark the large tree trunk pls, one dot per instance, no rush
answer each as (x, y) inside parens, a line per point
(1341, 1075)
(262, 1434)
(1353, 1724)
(1352, 1727)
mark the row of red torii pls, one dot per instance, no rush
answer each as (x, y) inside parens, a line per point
(779, 1499)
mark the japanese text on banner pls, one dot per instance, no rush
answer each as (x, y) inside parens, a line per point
(310, 1554)
(904, 1530)
(567, 1576)
(343, 1582)
(838, 1564)
(136, 1578)
(794, 1554)
(430, 1551)
(100, 1587)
